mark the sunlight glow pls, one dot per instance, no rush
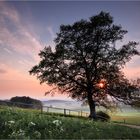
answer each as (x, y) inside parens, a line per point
(101, 85)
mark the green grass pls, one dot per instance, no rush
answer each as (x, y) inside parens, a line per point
(30, 124)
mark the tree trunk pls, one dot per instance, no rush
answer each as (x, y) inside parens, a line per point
(92, 107)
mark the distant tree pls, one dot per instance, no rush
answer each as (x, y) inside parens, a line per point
(86, 63)
(26, 102)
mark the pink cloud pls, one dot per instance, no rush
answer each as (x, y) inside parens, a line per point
(2, 71)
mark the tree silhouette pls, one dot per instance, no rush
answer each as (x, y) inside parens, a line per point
(86, 64)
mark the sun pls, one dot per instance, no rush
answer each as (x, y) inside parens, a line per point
(101, 85)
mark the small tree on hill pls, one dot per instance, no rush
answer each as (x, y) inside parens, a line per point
(86, 64)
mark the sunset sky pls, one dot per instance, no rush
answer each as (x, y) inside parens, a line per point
(26, 27)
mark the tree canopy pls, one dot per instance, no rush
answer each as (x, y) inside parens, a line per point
(86, 62)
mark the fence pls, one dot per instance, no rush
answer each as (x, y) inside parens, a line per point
(64, 111)
(48, 109)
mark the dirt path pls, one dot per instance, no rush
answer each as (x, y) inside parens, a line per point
(129, 125)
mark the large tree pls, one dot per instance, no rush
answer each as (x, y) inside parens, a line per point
(86, 63)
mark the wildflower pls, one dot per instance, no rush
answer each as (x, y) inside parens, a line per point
(17, 134)
(5, 123)
(61, 129)
(9, 123)
(21, 131)
(57, 122)
(31, 123)
(12, 122)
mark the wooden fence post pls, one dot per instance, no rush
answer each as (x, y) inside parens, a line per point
(81, 113)
(124, 120)
(47, 109)
(78, 113)
(64, 112)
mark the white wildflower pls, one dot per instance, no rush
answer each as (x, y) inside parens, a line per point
(17, 134)
(31, 123)
(21, 132)
(61, 129)
(12, 122)
(57, 122)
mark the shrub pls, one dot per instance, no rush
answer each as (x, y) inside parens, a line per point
(103, 116)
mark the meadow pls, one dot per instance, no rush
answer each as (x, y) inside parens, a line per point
(134, 120)
(18, 123)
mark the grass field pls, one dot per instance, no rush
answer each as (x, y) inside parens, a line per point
(30, 124)
(135, 120)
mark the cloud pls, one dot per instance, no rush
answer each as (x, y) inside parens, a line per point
(2, 71)
(51, 32)
(20, 40)
(7, 50)
(25, 62)
(9, 12)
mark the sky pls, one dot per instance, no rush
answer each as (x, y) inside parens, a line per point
(27, 27)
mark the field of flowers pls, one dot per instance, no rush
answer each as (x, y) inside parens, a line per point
(25, 124)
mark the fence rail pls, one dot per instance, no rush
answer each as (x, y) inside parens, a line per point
(65, 111)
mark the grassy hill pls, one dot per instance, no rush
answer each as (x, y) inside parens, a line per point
(30, 124)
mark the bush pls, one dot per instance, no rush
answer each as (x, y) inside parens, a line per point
(102, 116)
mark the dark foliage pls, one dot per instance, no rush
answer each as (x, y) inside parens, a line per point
(102, 116)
